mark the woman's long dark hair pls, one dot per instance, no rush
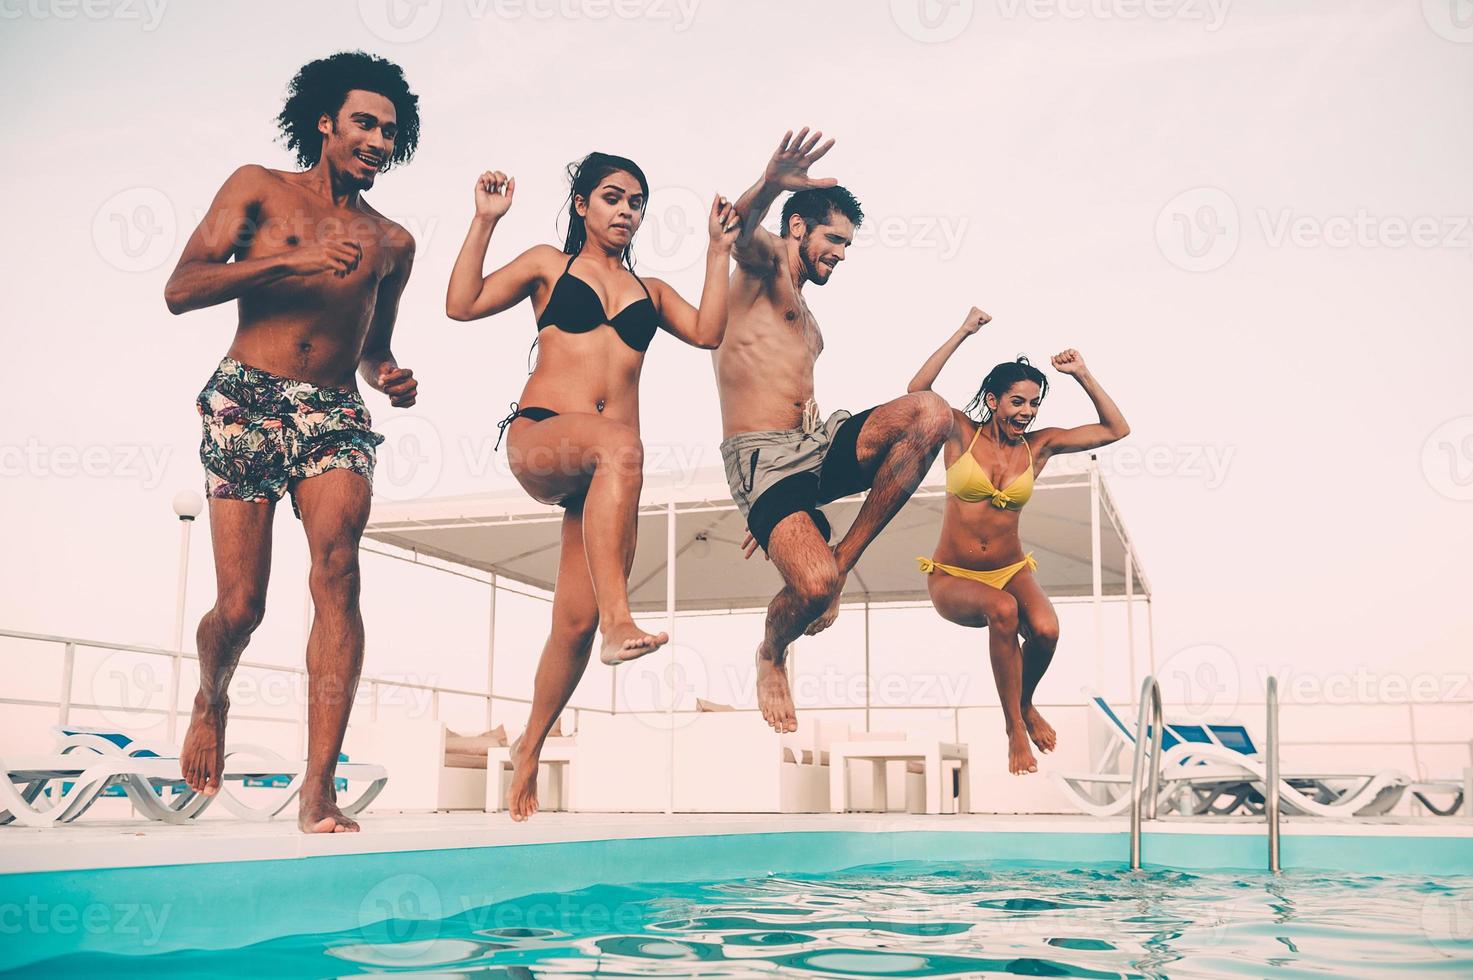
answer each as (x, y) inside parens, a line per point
(997, 383)
(584, 178)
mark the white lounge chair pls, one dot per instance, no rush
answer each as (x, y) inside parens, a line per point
(87, 762)
(1203, 764)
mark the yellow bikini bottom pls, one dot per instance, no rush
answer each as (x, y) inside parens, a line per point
(995, 577)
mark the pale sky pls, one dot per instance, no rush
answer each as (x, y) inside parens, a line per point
(1252, 218)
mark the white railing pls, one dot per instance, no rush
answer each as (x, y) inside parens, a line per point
(66, 701)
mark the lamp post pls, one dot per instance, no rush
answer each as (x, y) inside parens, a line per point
(187, 506)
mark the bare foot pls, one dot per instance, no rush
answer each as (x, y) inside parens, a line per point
(1020, 756)
(624, 642)
(521, 798)
(773, 696)
(1040, 731)
(202, 758)
(320, 815)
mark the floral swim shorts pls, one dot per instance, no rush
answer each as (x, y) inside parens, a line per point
(263, 434)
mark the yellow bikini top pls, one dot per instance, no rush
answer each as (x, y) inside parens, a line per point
(966, 480)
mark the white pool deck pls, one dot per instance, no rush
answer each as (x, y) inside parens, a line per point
(134, 843)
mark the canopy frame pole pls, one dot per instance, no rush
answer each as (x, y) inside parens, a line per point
(1096, 572)
(869, 678)
(1130, 610)
(672, 669)
(491, 657)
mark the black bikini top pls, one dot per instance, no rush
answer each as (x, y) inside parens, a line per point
(574, 307)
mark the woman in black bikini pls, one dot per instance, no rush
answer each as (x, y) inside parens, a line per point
(575, 440)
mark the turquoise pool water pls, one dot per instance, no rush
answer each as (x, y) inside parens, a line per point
(904, 919)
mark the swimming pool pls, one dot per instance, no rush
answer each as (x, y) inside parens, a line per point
(888, 900)
(912, 919)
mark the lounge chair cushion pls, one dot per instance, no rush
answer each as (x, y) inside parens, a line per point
(703, 705)
(469, 751)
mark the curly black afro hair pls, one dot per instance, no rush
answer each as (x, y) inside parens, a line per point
(322, 86)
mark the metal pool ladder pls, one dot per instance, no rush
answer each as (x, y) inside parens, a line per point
(1148, 727)
(1271, 782)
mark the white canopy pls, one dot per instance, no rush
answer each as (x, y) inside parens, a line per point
(1071, 525)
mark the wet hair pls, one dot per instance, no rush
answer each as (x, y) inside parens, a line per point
(816, 204)
(998, 382)
(321, 87)
(584, 177)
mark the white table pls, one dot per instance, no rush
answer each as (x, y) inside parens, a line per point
(931, 756)
(554, 775)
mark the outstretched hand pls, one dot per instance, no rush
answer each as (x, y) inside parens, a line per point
(399, 384)
(1069, 362)
(788, 168)
(724, 223)
(975, 321)
(494, 193)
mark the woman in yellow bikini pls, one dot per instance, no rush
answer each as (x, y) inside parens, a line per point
(979, 575)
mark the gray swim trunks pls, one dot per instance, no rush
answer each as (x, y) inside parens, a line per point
(777, 472)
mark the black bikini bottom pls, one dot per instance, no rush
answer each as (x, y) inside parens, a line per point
(536, 414)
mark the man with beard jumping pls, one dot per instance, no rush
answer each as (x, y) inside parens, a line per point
(782, 459)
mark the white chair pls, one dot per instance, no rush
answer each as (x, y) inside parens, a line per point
(732, 762)
(554, 775)
(1201, 768)
(931, 755)
(88, 762)
(431, 767)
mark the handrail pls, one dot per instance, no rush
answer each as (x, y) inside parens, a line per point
(1271, 789)
(1152, 724)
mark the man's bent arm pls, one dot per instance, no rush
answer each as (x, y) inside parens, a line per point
(376, 350)
(205, 276)
(756, 247)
